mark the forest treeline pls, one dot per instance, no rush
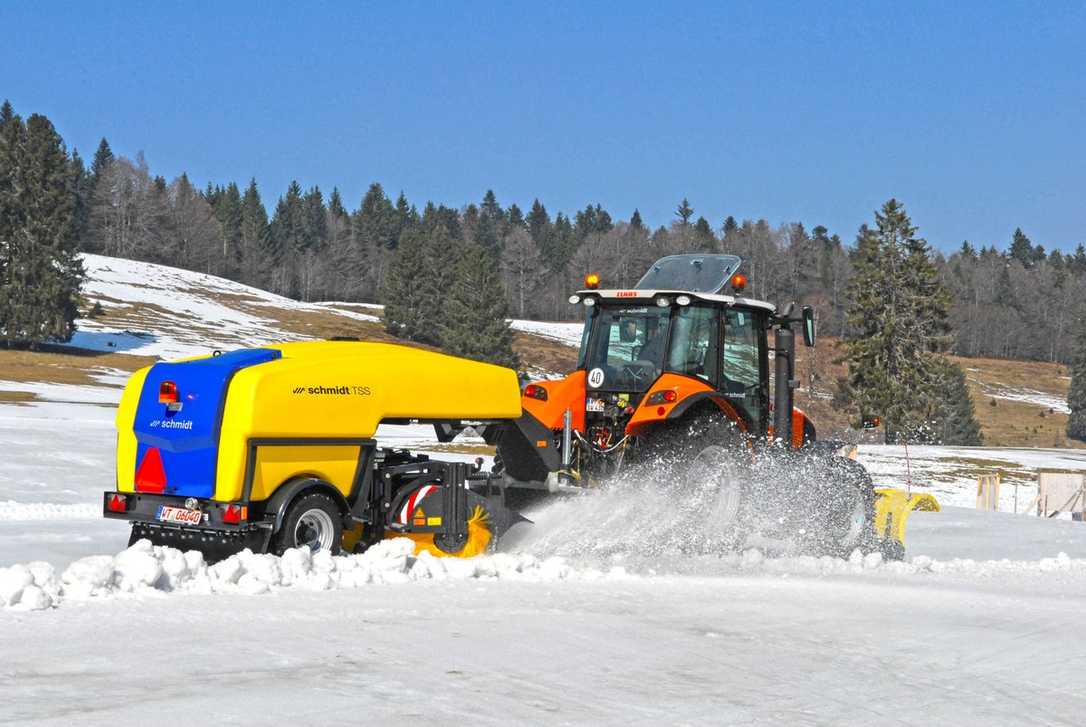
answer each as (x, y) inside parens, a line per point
(451, 276)
(1018, 302)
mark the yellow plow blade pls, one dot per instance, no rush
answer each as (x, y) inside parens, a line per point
(892, 510)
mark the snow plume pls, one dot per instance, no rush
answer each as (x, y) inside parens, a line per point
(148, 569)
(656, 510)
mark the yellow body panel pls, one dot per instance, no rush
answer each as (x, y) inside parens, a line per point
(331, 390)
(126, 438)
(336, 465)
(893, 507)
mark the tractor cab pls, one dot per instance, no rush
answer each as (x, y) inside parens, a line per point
(684, 342)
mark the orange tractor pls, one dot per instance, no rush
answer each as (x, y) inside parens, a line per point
(685, 381)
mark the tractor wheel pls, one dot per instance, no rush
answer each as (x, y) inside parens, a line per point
(314, 522)
(847, 512)
(706, 464)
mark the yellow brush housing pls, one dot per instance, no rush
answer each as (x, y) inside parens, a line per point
(331, 390)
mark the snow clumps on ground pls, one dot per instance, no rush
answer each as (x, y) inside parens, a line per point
(148, 569)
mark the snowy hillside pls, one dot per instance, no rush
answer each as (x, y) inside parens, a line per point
(156, 310)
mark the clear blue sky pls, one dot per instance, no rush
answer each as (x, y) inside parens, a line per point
(974, 115)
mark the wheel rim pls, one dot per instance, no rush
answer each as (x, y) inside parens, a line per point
(854, 525)
(710, 473)
(314, 530)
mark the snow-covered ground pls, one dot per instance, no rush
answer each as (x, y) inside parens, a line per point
(567, 333)
(583, 620)
(588, 616)
(951, 473)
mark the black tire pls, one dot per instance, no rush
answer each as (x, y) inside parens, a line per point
(313, 520)
(846, 516)
(705, 462)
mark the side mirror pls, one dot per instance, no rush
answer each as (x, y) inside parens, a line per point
(870, 422)
(808, 326)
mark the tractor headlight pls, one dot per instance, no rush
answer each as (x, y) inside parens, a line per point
(683, 300)
(663, 302)
(574, 299)
(589, 301)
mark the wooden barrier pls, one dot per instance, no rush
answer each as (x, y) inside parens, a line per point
(988, 492)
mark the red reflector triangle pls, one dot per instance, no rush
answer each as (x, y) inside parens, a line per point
(151, 475)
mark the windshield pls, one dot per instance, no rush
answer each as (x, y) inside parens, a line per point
(626, 352)
(700, 273)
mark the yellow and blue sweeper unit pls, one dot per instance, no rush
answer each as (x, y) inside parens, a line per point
(272, 448)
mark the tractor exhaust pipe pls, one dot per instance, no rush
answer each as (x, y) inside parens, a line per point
(783, 395)
(567, 444)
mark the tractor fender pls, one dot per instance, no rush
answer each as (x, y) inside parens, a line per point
(726, 407)
(277, 505)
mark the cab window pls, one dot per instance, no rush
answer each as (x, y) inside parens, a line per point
(693, 348)
(741, 363)
(627, 345)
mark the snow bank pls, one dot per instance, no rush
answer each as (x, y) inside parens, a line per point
(149, 569)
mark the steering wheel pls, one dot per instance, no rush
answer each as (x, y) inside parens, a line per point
(636, 372)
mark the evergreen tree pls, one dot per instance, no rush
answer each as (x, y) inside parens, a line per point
(254, 230)
(103, 158)
(704, 239)
(1021, 248)
(684, 212)
(416, 285)
(954, 420)
(476, 322)
(40, 271)
(228, 214)
(539, 224)
(898, 313)
(514, 219)
(635, 220)
(489, 224)
(1076, 395)
(83, 184)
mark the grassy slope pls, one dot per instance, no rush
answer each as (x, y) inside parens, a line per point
(1005, 423)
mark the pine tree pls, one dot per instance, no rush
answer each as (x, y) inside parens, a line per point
(488, 227)
(476, 323)
(704, 239)
(229, 215)
(417, 282)
(1021, 248)
(41, 270)
(898, 314)
(254, 230)
(12, 131)
(103, 158)
(1076, 395)
(684, 212)
(954, 420)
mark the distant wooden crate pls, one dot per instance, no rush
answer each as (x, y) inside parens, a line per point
(1061, 492)
(988, 492)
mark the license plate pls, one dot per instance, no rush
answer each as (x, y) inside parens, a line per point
(596, 404)
(179, 515)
